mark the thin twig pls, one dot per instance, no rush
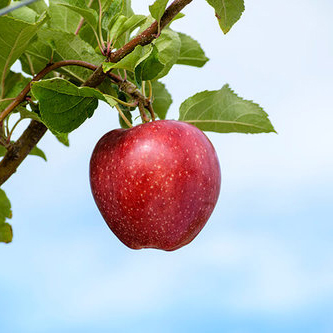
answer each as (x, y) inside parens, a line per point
(7, 99)
(146, 37)
(35, 131)
(13, 128)
(21, 97)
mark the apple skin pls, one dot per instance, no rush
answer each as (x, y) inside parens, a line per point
(155, 184)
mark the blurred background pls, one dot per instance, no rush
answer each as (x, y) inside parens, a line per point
(264, 261)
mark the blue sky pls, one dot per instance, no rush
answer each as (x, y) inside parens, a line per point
(263, 263)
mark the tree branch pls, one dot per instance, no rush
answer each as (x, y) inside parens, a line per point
(35, 131)
(49, 68)
(146, 37)
(21, 149)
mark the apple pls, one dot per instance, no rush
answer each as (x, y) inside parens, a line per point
(155, 184)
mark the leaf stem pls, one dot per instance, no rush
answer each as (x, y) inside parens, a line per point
(147, 36)
(143, 88)
(21, 148)
(123, 116)
(150, 95)
(2, 88)
(7, 99)
(101, 48)
(130, 105)
(82, 20)
(100, 24)
(32, 70)
(13, 128)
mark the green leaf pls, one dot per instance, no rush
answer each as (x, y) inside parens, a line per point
(6, 233)
(81, 8)
(62, 137)
(15, 36)
(228, 12)
(5, 207)
(64, 106)
(25, 14)
(62, 18)
(67, 46)
(125, 24)
(3, 151)
(38, 152)
(4, 3)
(177, 17)
(116, 26)
(129, 62)
(168, 46)
(191, 53)
(106, 4)
(111, 13)
(39, 6)
(14, 83)
(35, 151)
(26, 114)
(87, 34)
(224, 112)
(108, 88)
(36, 57)
(127, 9)
(107, 99)
(149, 21)
(161, 99)
(158, 8)
(149, 66)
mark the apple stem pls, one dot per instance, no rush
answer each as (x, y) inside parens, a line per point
(151, 111)
(143, 114)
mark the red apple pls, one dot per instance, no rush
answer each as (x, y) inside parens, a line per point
(155, 184)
